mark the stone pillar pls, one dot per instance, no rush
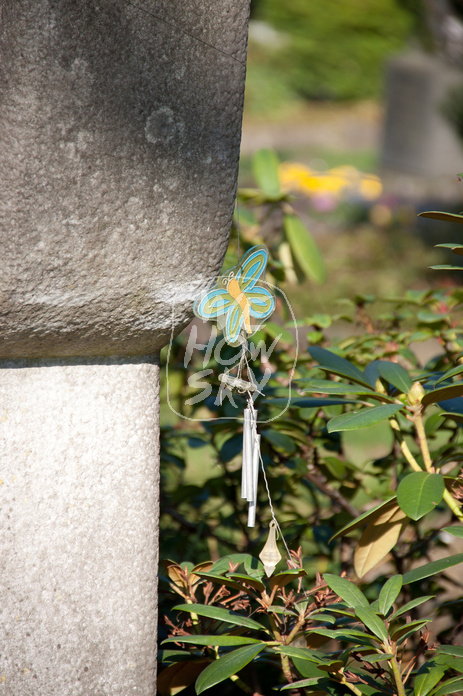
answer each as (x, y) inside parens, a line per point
(421, 153)
(119, 143)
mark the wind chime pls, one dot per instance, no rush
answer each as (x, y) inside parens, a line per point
(240, 302)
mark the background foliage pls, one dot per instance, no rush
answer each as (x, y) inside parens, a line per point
(364, 474)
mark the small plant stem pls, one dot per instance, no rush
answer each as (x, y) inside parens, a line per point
(352, 687)
(397, 677)
(242, 685)
(448, 497)
(453, 505)
(404, 447)
(423, 442)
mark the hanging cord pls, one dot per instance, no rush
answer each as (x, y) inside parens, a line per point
(238, 226)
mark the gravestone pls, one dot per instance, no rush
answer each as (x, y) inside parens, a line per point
(421, 153)
(119, 143)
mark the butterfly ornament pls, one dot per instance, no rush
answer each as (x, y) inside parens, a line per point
(240, 302)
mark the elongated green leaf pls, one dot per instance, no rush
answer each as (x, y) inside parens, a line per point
(301, 683)
(455, 650)
(410, 605)
(265, 165)
(438, 215)
(307, 669)
(252, 582)
(282, 579)
(301, 653)
(451, 373)
(220, 580)
(221, 641)
(362, 419)
(395, 375)
(219, 614)
(304, 249)
(456, 248)
(345, 589)
(452, 686)
(226, 667)
(365, 517)
(372, 622)
(428, 675)
(425, 571)
(326, 386)
(348, 634)
(389, 593)
(420, 492)
(446, 267)
(407, 629)
(442, 394)
(331, 362)
(379, 657)
(307, 402)
(457, 530)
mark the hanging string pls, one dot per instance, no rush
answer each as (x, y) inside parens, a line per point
(238, 225)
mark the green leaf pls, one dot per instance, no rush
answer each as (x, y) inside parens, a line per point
(226, 667)
(333, 363)
(326, 386)
(265, 165)
(379, 657)
(389, 593)
(306, 402)
(221, 641)
(362, 419)
(438, 215)
(425, 571)
(452, 686)
(304, 249)
(301, 683)
(456, 248)
(419, 493)
(442, 394)
(395, 375)
(282, 579)
(372, 622)
(428, 675)
(249, 580)
(345, 589)
(365, 517)
(446, 267)
(281, 442)
(219, 614)
(301, 653)
(457, 530)
(451, 373)
(347, 634)
(455, 650)
(407, 629)
(410, 605)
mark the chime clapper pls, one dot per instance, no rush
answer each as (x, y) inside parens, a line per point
(270, 555)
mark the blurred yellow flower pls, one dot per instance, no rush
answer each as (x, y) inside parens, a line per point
(339, 182)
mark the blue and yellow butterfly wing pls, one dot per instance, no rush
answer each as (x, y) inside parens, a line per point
(261, 302)
(233, 324)
(252, 267)
(214, 303)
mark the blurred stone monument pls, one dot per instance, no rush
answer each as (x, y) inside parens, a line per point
(119, 143)
(421, 151)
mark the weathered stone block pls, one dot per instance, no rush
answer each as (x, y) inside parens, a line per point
(79, 517)
(119, 143)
